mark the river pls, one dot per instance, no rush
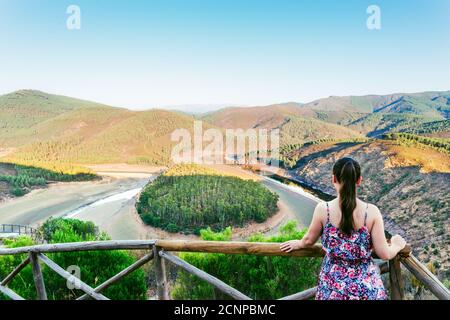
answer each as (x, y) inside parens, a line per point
(110, 204)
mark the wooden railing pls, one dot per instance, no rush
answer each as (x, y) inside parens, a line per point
(17, 228)
(21, 230)
(160, 251)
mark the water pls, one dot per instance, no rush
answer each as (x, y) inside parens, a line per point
(111, 205)
(119, 197)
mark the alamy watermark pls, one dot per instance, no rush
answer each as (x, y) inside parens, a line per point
(73, 21)
(228, 146)
(373, 21)
(74, 282)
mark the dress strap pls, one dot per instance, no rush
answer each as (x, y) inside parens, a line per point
(365, 215)
(328, 212)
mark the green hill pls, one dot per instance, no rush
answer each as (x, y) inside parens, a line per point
(438, 129)
(370, 115)
(297, 125)
(37, 128)
(66, 130)
(299, 130)
(25, 108)
(376, 124)
(97, 136)
(268, 117)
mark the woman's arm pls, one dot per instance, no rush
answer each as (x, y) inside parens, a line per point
(311, 236)
(384, 250)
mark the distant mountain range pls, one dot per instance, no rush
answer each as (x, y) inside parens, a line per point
(37, 126)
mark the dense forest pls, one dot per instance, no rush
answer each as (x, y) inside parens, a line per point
(21, 178)
(188, 198)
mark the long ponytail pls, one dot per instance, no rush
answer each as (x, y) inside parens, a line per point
(347, 172)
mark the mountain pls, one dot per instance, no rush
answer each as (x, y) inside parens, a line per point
(25, 108)
(369, 115)
(268, 117)
(296, 124)
(376, 124)
(40, 127)
(298, 130)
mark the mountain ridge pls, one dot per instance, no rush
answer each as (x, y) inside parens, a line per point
(40, 125)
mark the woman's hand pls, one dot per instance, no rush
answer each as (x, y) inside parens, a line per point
(288, 246)
(398, 242)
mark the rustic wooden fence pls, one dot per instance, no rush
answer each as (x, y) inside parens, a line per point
(17, 228)
(21, 230)
(161, 251)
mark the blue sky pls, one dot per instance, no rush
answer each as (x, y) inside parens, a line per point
(143, 54)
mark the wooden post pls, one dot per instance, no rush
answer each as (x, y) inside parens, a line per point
(395, 279)
(161, 278)
(38, 278)
(429, 280)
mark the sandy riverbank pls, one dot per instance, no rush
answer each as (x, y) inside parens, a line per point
(110, 203)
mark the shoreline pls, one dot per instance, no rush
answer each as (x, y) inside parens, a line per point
(119, 222)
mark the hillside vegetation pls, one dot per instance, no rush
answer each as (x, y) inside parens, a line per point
(259, 277)
(18, 179)
(96, 266)
(438, 129)
(408, 139)
(299, 130)
(409, 183)
(45, 128)
(188, 198)
(26, 108)
(342, 117)
(38, 128)
(377, 124)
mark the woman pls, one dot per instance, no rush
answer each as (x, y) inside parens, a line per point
(350, 229)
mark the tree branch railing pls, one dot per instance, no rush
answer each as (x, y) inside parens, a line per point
(159, 251)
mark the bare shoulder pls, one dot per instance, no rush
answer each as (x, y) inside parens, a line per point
(321, 207)
(320, 210)
(373, 213)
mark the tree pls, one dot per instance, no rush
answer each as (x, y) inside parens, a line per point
(259, 277)
(95, 266)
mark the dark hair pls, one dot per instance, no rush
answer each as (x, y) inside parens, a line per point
(347, 171)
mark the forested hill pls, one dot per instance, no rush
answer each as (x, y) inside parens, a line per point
(37, 128)
(370, 115)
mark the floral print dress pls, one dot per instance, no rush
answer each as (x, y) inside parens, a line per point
(348, 271)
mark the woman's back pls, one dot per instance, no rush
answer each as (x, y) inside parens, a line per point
(348, 271)
(350, 230)
(353, 247)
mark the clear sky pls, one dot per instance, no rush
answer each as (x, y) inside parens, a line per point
(143, 54)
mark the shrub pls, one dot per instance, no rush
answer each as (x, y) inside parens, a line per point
(17, 192)
(95, 266)
(259, 277)
(81, 228)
